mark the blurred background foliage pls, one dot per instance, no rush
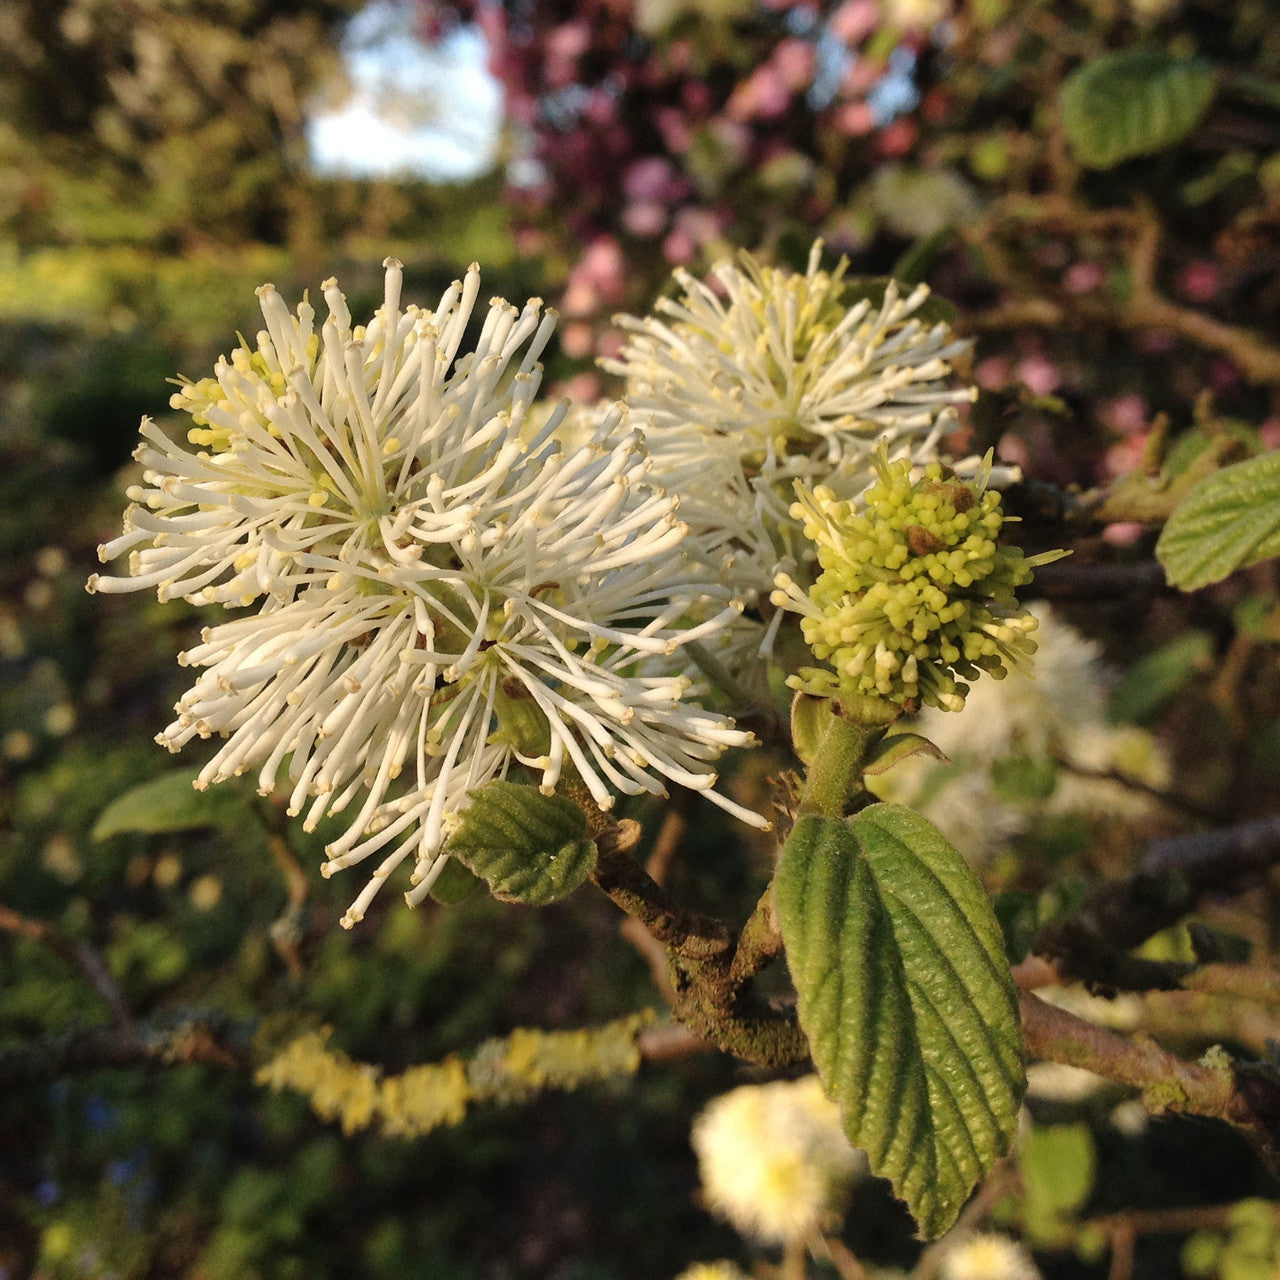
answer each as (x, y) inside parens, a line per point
(1123, 291)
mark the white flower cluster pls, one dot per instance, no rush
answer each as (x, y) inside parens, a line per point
(760, 377)
(1051, 711)
(438, 589)
(775, 1161)
(986, 1256)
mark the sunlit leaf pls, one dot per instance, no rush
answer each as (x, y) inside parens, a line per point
(169, 803)
(526, 846)
(1229, 521)
(1133, 103)
(905, 995)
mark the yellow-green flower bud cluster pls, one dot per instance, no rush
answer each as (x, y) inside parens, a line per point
(915, 596)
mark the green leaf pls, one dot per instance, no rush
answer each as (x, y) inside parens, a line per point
(526, 846)
(1158, 676)
(1058, 1166)
(1229, 521)
(169, 803)
(453, 883)
(1132, 104)
(905, 995)
(898, 747)
(1024, 779)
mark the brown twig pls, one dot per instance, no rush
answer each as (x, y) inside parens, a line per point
(658, 864)
(1171, 878)
(1244, 1095)
(666, 845)
(653, 953)
(80, 954)
(1123, 1241)
(1145, 307)
(203, 1038)
(1170, 799)
(843, 1258)
(209, 1038)
(709, 997)
(286, 928)
(1151, 1222)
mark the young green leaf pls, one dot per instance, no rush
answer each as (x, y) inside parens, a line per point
(1229, 521)
(1133, 103)
(905, 995)
(899, 747)
(169, 803)
(526, 846)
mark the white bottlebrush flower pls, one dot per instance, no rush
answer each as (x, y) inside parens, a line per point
(1035, 707)
(987, 1256)
(439, 596)
(775, 1161)
(313, 443)
(762, 376)
(1052, 708)
(787, 362)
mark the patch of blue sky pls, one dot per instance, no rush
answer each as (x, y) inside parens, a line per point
(895, 92)
(834, 60)
(415, 109)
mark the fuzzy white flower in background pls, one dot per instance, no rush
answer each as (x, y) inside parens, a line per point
(987, 1256)
(775, 1161)
(438, 596)
(722, 1269)
(762, 376)
(1052, 708)
(1059, 1082)
(1035, 707)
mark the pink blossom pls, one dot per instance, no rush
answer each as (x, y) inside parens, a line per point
(763, 95)
(650, 178)
(794, 60)
(679, 55)
(1269, 433)
(1122, 533)
(674, 128)
(1039, 375)
(582, 388)
(854, 20)
(860, 77)
(993, 373)
(644, 218)
(601, 108)
(576, 340)
(1013, 448)
(1199, 281)
(854, 118)
(609, 343)
(1124, 457)
(734, 137)
(1126, 415)
(569, 40)
(696, 97)
(605, 266)
(702, 225)
(678, 248)
(1083, 277)
(530, 241)
(898, 138)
